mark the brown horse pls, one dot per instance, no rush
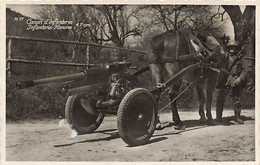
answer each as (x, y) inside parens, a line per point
(173, 51)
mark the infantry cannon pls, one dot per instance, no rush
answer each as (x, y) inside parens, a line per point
(106, 89)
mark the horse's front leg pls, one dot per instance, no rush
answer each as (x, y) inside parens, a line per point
(211, 84)
(199, 87)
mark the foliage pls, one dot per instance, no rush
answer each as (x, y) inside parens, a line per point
(37, 102)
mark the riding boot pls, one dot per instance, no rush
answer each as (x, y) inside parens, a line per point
(237, 117)
(236, 92)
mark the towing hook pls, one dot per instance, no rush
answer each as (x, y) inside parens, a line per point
(161, 85)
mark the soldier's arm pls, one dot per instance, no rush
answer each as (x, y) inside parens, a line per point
(244, 69)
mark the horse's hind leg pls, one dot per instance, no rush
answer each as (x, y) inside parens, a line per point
(199, 87)
(175, 115)
(172, 69)
(157, 73)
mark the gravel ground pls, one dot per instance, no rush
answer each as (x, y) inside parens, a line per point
(51, 140)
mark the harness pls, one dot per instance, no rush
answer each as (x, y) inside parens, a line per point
(179, 58)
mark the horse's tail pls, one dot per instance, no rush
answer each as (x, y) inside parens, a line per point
(157, 47)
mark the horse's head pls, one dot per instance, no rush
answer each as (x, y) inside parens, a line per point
(214, 51)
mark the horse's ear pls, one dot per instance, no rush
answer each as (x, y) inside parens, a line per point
(228, 38)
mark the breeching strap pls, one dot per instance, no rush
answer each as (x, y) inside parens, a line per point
(176, 97)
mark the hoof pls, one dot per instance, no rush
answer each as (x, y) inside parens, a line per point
(203, 120)
(180, 126)
(158, 126)
(211, 122)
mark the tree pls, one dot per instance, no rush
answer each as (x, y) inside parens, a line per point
(244, 26)
(244, 29)
(117, 22)
(168, 16)
(106, 23)
(244, 23)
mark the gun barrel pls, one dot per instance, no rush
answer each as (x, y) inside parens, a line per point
(63, 79)
(92, 72)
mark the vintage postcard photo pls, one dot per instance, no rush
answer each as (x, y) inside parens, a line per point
(100, 83)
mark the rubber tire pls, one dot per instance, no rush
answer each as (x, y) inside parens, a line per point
(123, 115)
(78, 119)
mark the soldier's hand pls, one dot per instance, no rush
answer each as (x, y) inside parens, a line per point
(237, 82)
(227, 82)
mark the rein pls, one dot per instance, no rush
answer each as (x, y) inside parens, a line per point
(167, 105)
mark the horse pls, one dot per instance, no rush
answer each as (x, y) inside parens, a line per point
(169, 52)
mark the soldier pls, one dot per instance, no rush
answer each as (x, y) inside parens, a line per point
(237, 75)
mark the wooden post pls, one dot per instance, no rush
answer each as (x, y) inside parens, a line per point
(87, 55)
(9, 57)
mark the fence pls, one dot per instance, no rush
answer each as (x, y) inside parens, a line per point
(87, 44)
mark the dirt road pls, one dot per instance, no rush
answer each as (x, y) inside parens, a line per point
(50, 140)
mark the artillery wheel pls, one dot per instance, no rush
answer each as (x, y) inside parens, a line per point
(79, 119)
(136, 117)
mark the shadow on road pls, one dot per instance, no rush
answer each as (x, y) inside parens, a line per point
(230, 118)
(176, 132)
(156, 140)
(113, 135)
(196, 124)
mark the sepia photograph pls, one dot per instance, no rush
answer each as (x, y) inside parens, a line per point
(172, 83)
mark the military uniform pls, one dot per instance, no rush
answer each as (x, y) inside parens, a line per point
(236, 77)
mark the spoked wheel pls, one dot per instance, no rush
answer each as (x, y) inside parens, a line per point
(136, 117)
(78, 118)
